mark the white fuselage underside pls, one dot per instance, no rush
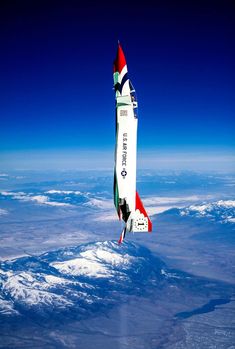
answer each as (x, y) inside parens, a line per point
(126, 154)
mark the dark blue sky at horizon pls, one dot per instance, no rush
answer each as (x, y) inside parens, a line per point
(56, 73)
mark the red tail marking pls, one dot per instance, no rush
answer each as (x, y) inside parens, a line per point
(139, 205)
(120, 60)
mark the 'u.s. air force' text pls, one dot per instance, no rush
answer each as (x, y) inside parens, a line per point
(124, 149)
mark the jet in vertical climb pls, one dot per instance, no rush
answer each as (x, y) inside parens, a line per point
(126, 199)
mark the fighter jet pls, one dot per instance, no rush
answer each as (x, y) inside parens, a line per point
(126, 199)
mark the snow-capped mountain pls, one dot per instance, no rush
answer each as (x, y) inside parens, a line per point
(83, 277)
(222, 211)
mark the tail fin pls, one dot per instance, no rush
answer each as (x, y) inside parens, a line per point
(141, 220)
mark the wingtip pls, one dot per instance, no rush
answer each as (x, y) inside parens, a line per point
(122, 236)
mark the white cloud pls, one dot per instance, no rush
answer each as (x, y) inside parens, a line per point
(152, 210)
(3, 212)
(107, 217)
(153, 205)
(232, 220)
(9, 193)
(3, 177)
(166, 200)
(54, 203)
(5, 193)
(226, 203)
(43, 199)
(159, 204)
(39, 199)
(66, 192)
(104, 204)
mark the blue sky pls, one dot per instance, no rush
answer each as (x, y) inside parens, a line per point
(56, 75)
